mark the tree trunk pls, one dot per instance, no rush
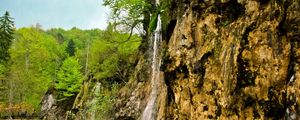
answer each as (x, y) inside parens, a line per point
(87, 59)
(10, 98)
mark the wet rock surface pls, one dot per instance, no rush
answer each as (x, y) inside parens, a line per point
(234, 60)
(228, 59)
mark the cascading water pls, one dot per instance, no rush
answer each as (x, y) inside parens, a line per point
(149, 112)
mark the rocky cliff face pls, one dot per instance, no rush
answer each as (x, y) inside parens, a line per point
(53, 109)
(228, 59)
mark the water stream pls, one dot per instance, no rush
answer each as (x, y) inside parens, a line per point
(149, 112)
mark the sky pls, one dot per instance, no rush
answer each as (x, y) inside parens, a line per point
(83, 14)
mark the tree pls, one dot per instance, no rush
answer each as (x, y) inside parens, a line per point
(130, 14)
(71, 48)
(6, 36)
(3, 83)
(111, 58)
(69, 77)
(33, 65)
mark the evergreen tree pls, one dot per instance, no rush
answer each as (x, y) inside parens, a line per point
(71, 48)
(69, 77)
(6, 35)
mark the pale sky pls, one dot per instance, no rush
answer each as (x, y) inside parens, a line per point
(83, 14)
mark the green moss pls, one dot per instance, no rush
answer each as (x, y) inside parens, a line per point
(164, 10)
(165, 14)
(103, 102)
(217, 47)
(153, 23)
(165, 59)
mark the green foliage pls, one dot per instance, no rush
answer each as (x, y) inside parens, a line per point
(69, 78)
(153, 23)
(6, 36)
(71, 48)
(108, 66)
(133, 8)
(3, 83)
(58, 33)
(3, 69)
(103, 102)
(41, 59)
(33, 56)
(78, 36)
(112, 57)
(165, 10)
(129, 13)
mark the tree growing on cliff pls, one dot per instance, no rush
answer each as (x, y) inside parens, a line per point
(130, 14)
(69, 77)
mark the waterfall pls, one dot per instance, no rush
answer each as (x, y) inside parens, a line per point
(149, 112)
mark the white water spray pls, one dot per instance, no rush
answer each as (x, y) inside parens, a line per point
(149, 112)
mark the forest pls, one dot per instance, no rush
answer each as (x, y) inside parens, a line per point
(34, 60)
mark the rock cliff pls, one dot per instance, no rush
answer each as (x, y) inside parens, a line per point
(223, 59)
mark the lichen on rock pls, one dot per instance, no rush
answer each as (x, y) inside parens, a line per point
(243, 51)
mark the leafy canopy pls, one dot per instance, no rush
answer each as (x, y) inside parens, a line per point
(33, 59)
(128, 13)
(113, 55)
